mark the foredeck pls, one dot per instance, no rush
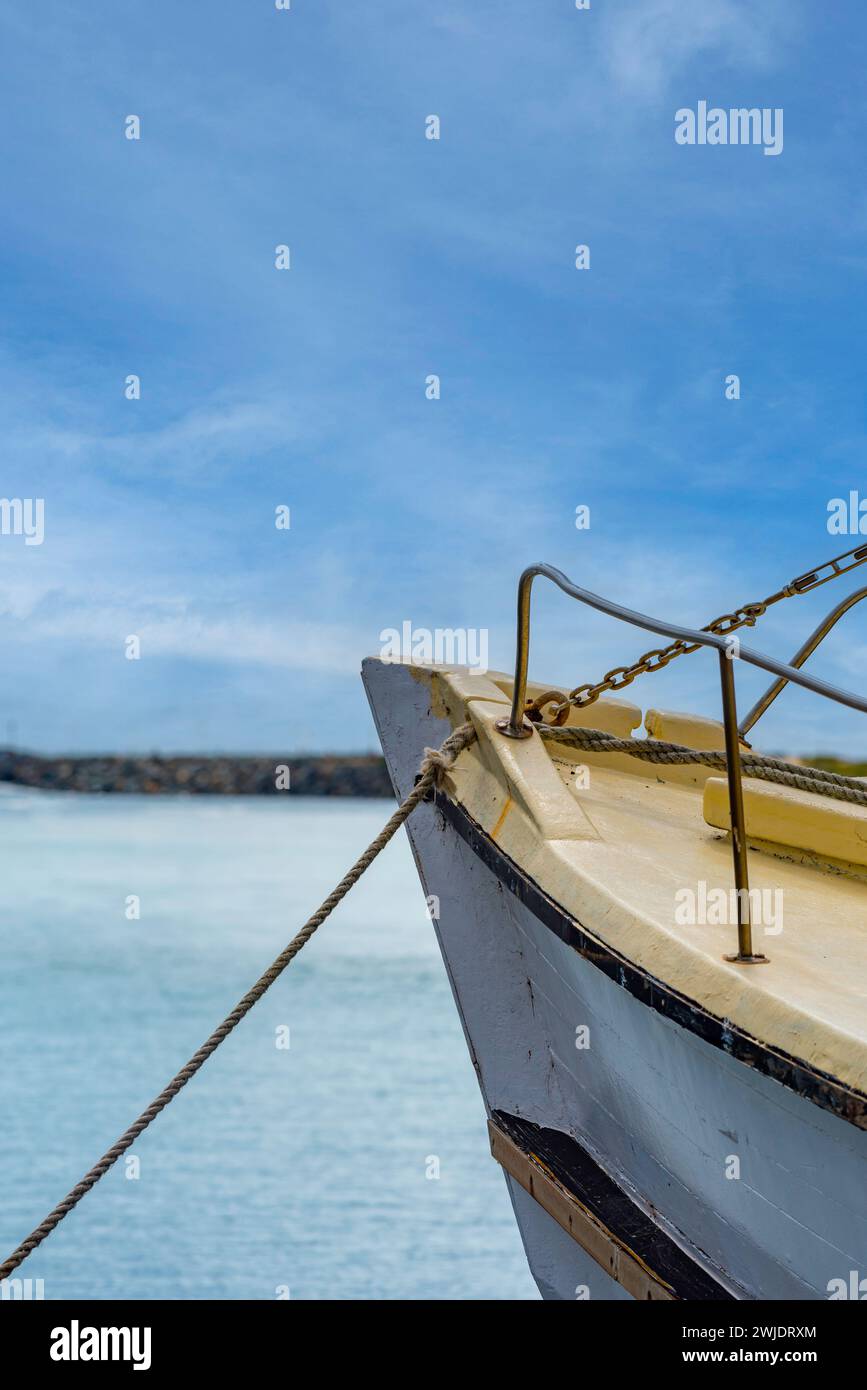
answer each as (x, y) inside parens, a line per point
(626, 851)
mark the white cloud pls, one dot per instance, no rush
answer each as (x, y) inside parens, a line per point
(649, 43)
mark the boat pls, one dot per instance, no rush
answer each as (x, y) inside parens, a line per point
(655, 941)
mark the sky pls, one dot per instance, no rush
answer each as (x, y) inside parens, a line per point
(411, 257)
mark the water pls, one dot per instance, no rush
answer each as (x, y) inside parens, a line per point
(300, 1169)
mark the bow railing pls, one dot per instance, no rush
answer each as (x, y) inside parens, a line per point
(728, 649)
(816, 637)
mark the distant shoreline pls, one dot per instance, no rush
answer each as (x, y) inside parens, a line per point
(222, 775)
(329, 774)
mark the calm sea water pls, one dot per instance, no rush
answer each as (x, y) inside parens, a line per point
(300, 1168)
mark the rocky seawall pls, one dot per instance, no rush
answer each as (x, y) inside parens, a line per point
(362, 775)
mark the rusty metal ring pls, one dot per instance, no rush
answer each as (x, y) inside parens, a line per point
(533, 708)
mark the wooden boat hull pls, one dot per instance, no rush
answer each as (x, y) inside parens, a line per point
(722, 1181)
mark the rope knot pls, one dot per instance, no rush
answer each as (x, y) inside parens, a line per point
(438, 762)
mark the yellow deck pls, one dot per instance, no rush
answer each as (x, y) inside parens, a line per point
(616, 852)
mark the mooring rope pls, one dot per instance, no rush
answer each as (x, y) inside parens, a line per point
(808, 779)
(432, 773)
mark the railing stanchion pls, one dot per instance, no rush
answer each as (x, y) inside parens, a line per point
(516, 725)
(801, 655)
(745, 954)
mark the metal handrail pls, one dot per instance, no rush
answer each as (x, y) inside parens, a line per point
(801, 655)
(515, 726)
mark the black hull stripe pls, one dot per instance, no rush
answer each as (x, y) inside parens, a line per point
(816, 1086)
(572, 1166)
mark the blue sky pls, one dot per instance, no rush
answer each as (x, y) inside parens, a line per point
(410, 257)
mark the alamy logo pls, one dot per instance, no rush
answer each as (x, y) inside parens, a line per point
(848, 516)
(76, 1343)
(22, 1290)
(739, 125)
(718, 907)
(854, 1288)
(23, 516)
(446, 646)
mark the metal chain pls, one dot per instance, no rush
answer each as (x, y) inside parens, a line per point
(656, 660)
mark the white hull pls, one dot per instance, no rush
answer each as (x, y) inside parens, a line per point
(662, 1111)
